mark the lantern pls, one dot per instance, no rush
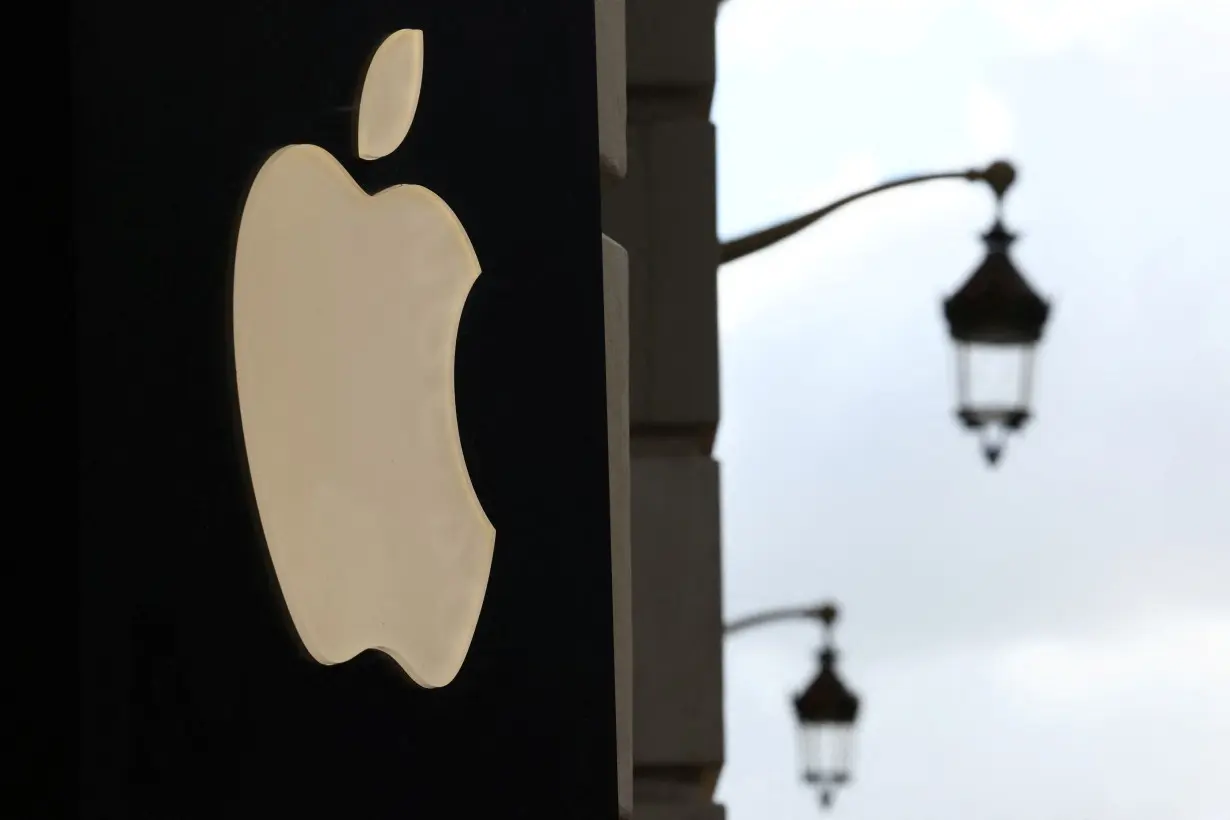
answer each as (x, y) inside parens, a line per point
(996, 321)
(826, 711)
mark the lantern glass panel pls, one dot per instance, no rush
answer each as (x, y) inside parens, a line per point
(994, 382)
(826, 752)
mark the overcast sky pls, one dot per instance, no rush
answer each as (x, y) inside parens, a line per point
(1050, 641)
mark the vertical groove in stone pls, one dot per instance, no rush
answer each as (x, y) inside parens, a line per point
(615, 287)
(609, 32)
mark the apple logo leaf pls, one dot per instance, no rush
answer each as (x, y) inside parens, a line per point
(390, 94)
(345, 314)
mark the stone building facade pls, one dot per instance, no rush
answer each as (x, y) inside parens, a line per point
(656, 75)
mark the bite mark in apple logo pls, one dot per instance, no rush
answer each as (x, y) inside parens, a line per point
(345, 314)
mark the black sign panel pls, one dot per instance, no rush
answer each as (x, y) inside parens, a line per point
(198, 696)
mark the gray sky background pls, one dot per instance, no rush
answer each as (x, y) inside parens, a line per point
(1050, 641)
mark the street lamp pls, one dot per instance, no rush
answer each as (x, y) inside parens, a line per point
(826, 710)
(995, 319)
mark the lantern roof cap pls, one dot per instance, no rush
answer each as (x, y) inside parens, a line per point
(996, 305)
(826, 700)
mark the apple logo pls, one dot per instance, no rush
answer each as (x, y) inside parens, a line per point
(345, 317)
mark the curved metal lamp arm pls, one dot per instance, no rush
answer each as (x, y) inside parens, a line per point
(810, 613)
(999, 175)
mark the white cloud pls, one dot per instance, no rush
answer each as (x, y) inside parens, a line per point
(1187, 658)
(991, 124)
(763, 32)
(1108, 29)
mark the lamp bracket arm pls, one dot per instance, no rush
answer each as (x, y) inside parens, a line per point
(998, 175)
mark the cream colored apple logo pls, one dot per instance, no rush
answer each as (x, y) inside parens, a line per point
(346, 310)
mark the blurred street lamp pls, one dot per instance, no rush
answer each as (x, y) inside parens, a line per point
(826, 710)
(995, 319)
